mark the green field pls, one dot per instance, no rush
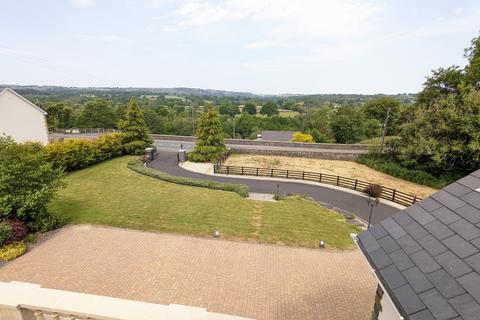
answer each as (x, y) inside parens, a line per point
(111, 194)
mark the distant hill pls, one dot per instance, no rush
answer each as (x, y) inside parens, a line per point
(34, 89)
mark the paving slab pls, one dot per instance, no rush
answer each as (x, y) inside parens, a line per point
(237, 278)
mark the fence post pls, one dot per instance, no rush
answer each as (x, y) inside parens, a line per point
(320, 179)
(228, 170)
(271, 172)
(338, 180)
(393, 195)
(303, 175)
(356, 182)
(242, 171)
(287, 174)
(257, 172)
(414, 199)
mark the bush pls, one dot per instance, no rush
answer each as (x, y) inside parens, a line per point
(45, 222)
(74, 154)
(373, 190)
(389, 166)
(12, 251)
(5, 232)
(302, 137)
(19, 231)
(138, 167)
(27, 181)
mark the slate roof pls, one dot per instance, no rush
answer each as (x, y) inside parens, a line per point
(278, 135)
(428, 255)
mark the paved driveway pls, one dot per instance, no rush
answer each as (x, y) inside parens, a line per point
(167, 162)
(245, 279)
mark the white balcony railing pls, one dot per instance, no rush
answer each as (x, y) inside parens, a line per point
(26, 301)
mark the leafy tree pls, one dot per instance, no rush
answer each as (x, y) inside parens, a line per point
(59, 116)
(229, 109)
(472, 70)
(246, 125)
(98, 113)
(27, 182)
(134, 130)
(441, 133)
(250, 108)
(347, 125)
(209, 145)
(270, 108)
(377, 109)
(444, 137)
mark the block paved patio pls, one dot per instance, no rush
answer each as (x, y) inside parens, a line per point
(245, 279)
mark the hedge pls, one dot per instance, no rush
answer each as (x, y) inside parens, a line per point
(389, 166)
(74, 154)
(138, 167)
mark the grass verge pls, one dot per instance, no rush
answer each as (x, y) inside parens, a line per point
(111, 194)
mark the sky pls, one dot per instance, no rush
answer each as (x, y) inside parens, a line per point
(259, 46)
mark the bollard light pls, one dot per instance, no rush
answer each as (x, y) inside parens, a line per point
(322, 244)
(216, 233)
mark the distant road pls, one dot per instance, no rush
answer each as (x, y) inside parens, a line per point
(173, 145)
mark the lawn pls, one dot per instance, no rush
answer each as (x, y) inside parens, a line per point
(111, 194)
(342, 168)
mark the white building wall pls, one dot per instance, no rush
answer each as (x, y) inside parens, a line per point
(388, 312)
(21, 120)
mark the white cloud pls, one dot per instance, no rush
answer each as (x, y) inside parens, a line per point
(263, 44)
(288, 18)
(83, 3)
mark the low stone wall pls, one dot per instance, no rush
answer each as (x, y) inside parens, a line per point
(337, 146)
(303, 154)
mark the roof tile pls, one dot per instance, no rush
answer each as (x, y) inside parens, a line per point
(457, 189)
(429, 204)
(471, 283)
(437, 305)
(432, 245)
(445, 215)
(422, 315)
(402, 218)
(408, 244)
(393, 228)
(474, 262)
(452, 264)
(465, 229)
(439, 230)
(424, 261)
(419, 214)
(392, 277)
(448, 200)
(368, 241)
(377, 231)
(388, 244)
(444, 283)
(470, 213)
(470, 181)
(466, 306)
(380, 258)
(401, 260)
(417, 279)
(472, 198)
(415, 230)
(459, 246)
(408, 299)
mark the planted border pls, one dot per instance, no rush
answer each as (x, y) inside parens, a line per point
(138, 167)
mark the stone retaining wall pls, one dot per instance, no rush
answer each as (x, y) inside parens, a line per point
(304, 154)
(270, 143)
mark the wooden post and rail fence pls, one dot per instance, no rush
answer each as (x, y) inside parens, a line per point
(390, 194)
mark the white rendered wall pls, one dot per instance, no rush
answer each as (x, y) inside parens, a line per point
(20, 120)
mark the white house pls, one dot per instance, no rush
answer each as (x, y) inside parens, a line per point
(20, 119)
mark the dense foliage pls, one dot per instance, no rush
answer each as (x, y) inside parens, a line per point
(442, 133)
(12, 251)
(28, 181)
(302, 137)
(209, 145)
(134, 136)
(74, 154)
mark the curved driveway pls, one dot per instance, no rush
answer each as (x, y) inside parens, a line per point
(167, 162)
